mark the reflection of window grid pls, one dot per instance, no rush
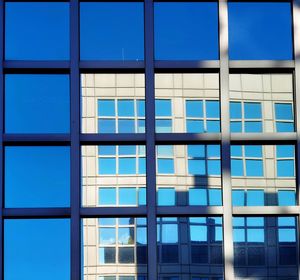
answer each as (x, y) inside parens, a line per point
(205, 196)
(139, 160)
(240, 123)
(242, 159)
(284, 124)
(138, 116)
(212, 240)
(205, 120)
(139, 199)
(245, 227)
(137, 228)
(285, 159)
(248, 197)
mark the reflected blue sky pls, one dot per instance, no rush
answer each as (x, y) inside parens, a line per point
(37, 31)
(37, 249)
(37, 176)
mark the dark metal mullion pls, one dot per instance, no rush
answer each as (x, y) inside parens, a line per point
(75, 142)
(150, 138)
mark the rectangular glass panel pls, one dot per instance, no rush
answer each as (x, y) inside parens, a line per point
(37, 247)
(37, 103)
(37, 31)
(111, 31)
(116, 246)
(113, 176)
(37, 176)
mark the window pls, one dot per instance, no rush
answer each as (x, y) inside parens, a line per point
(245, 117)
(202, 116)
(285, 159)
(166, 196)
(163, 115)
(205, 196)
(165, 159)
(284, 117)
(248, 197)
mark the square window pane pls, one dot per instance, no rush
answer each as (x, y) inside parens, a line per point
(37, 31)
(126, 126)
(107, 236)
(254, 168)
(127, 166)
(34, 246)
(166, 196)
(107, 166)
(176, 26)
(252, 110)
(165, 166)
(238, 198)
(213, 126)
(260, 31)
(125, 108)
(111, 31)
(285, 168)
(193, 126)
(235, 110)
(212, 109)
(127, 196)
(107, 255)
(255, 198)
(37, 176)
(284, 127)
(163, 108)
(163, 126)
(215, 197)
(286, 198)
(106, 108)
(107, 196)
(38, 103)
(284, 111)
(126, 236)
(197, 167)
(106, 126)
(194, 108)
(235, 127)
(198, 197)
(237, 167)
(253, 127)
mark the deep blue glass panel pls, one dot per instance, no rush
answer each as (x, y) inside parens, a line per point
(254, 168)
(125, 108)
(212, 109)
(37, 103)
(286, 198)
(111, 31)
(166, 196)
(37, 31)
(252, 110)
(107, 196)
(37, 247)
(235, 110)
(253, 127)
(285, 168)
(127, 196)
(163, 108)
(284, 111)
(284, 127)
(127, 166)
(186, 31)
(194, 108)
(37, 176)
(107, 166)
(106, 126)
(260, 31)
(237, 167)
(193, 126)
(238, 198)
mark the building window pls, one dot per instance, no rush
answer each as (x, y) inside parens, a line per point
(285, 160)
(165, 159)
(163, 115)
(284, 117)
(248, 197)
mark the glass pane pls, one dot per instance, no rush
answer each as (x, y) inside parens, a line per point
(113, 176)
(180, 29)
(37, 247)
(260, 31)
(37, 31)
(119, 252)
(37, 176)
(37, 103)
(112, 103)
(111, 31)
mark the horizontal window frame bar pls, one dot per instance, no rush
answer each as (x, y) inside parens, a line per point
(98, 212)
(35, 64)
(36, 139)
(190, 211)
(116, 139)
(25, 213)
(265, 210)
(118, 64)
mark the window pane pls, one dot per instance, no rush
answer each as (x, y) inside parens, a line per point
(111, 31)
(37, 247)
(285, 168)
(166, 197)
(127, 196)
(37, 31)
(284, 111)
(106, 108)
(252, 110)
(163, 108)
(37, 103)
(37, 176)
(194, 108)
(260, 31)
(180, 27)
(125, 108)
(107, 196)
(286, 198)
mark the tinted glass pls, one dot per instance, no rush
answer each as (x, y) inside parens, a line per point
(111, 31)
(37, 176)
(37, 31)
(37, 103)
(260, 31)
(186, 31)
(37, 247)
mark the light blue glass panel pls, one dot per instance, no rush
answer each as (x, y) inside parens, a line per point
(107, 196)
(107, 236)
(215, 197)
(126, 235)
(126, 221)
(198, 233)
(142, 165)
(285, 168)
(164, 150)
(285, 127)
(286, 198)
(255, 235)
(196, 167)
(142, 196)
(37, 176)
(238, 221)
(107, 221)
(286, 221)
(235, 127)
(111, 31)
(235, 110)
(180, 29)
(125, 150)
(286, 235)
(239, 235)
(253, 151)
(284, 111)
(236, 151)
(213, 126)
(166, 196)
(218, 234)
(126, 126)
(106, 126)
(140, 108)
(35, 247)
(127, 166)
(255, 198)
(254, 168)
(196, 151)
(107, 150)
(252, 110)
(165, 166)
(163, 108)
(125, 108)
(213, 167)
(38, 103)
(141, 126)
(284, 151)
(213, 150)
(163, 126)
(238, 198)
(237, 167)
(255, 221)
(194, 108)
(260, 31)
(194, 126)
(127, 196)
(141, 235)
(106, 108)
(198, 197)
(37, 31)
(253, 126)
(107, 166)
(212, 109)
(169, 233)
